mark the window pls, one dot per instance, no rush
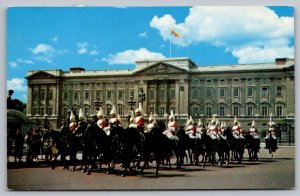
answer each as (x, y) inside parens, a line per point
(108, 109)
(222, 92)
(50, 95)
(236, 110)
(208, 111)
(132, 93)
(195, 93)
(120, 95)
(195, 111)
(249, 91)
(151, 93)
(151, 109)
(264, 110)
(98, 94)
(120, 111)
(172, 93)
(75, 95)
(249, 110)
(43, 95)
(65, 95)
(264, 91)
(222, 111)
(35, 95)
(109, 94)
(161, 93)
(34, 111)
(87, 95)
(42, 111)
(279, 111)
(50, 111)
(208, 92)
(278, 91)
(236, 91)
(162, 111)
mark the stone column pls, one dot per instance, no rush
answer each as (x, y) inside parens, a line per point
(177, 96)
(81, 96)
(57, 99)
(29, 100)
(156, 97)
(145, 104)
(257, 96)
(47, 100)
(92, 98)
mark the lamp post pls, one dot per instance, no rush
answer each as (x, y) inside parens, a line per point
(131, 102)
(98, 103)
(142, 96)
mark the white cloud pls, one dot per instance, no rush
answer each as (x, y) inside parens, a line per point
(144, 34)
(45, 53)
(130, 56)
(42, 49)
(93, 52)
(86, 48)
(13, 64)
(25, 61)
(16, 84)
(82, 47)
(234, 28)
(55, 39)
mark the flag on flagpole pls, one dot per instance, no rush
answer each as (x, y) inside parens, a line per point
(174, 33)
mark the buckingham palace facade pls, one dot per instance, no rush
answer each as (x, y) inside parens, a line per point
(248, 91)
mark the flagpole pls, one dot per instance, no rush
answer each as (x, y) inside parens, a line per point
(170, 43)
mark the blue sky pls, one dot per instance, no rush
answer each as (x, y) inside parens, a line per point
(113, 38)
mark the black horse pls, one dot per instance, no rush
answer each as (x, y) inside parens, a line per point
(271, 144)
(158, 146)
(253, 146)
(223, 150)
(236, 146)
(210, 149)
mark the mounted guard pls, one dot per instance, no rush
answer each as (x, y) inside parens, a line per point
(101, 120)
(170, 132)
(236, 129)
(253, 131)
(213, 129)
(73, 124)
(139, 120)
(151, 125)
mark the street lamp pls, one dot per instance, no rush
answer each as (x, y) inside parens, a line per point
(98, 103)
(131, 102)
(142, 96)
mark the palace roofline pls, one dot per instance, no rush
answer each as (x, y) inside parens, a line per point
(180, 62)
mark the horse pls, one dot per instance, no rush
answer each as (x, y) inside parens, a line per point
(223, 150)
(210, 149)
(236, 146)
(252, 146)
(158, 145)
(271, 144)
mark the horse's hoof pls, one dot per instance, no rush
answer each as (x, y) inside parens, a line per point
(73, 169)
(227, 163)
(83, 171)
(88, 173)
(123, 175)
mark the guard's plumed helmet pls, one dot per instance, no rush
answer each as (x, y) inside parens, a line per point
(172, 115)
(131, 117)
(139, 109)
(151, 118)
(72, 117)
(253, 124)
(100, 112)
(235, 120)
(271, 123)
(200, 123)
(113, 110)
(81, 115)
(213, 120)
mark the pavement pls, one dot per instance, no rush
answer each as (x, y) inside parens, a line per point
(266, 173)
